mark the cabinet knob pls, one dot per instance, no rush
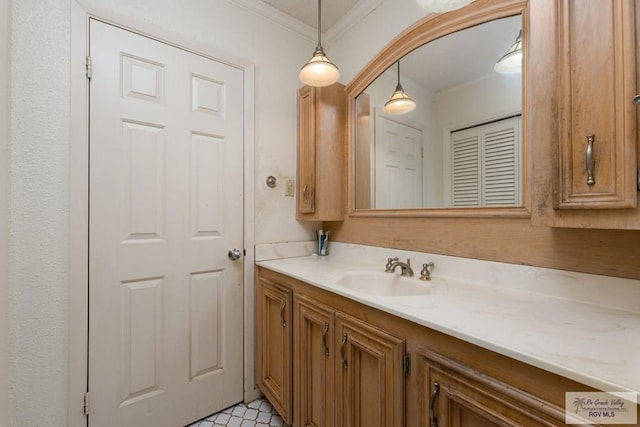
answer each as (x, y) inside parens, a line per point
(325, 331)
(636, 99)
(345, 364)
(432, 404)
(282, 318)
(590, 162)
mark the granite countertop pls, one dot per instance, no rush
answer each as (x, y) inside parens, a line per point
(582, 327)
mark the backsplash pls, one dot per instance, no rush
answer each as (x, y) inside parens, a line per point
(590, 288)
(268, 251)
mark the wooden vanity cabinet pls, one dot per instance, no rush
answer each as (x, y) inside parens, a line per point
(370, 375)
(321, 153)
(369, 368)
(454, 395)
(346, 372)
(580, 83)
(274, 345)
(314, 369)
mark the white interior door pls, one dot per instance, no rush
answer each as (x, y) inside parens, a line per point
(166, 206)
(398, 163)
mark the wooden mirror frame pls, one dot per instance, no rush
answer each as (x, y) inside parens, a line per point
(431, 27)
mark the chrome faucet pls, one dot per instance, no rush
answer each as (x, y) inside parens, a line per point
(405, 268)
(425, 273)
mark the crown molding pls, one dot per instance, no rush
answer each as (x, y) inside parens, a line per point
(272, 14)
(350, 19)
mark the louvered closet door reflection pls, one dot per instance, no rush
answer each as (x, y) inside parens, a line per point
(165, 309)
(485, 165)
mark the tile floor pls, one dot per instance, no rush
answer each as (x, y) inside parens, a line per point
(258, 413)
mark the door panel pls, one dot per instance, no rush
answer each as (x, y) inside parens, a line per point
(165, 306)
(398, 165)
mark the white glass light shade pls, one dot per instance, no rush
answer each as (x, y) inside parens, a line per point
(442, 5)
(511, 61)
(319, 71)
(399, 103)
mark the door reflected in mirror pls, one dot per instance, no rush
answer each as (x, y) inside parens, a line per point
(461, 146)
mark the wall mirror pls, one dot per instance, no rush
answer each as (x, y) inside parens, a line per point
(460, 151)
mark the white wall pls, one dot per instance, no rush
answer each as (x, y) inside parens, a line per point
(488, 98)
(4, 133)
(39, 155)
(358, 45)
(38, 151)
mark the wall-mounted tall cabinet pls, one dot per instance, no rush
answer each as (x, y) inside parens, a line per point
(321, 153)
(581, 80)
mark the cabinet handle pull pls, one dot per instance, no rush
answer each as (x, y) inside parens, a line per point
(345, 364)
(324, 339)
(590, 160)
(304, 193)
(284, 321)
(432, 403)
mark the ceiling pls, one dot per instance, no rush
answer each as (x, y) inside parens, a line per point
(307, 10)
(462, 56)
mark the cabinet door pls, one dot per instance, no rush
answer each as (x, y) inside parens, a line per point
(598, 131)
(453, 395)
(369, 374)
(313, 361)
(321, 153)
(274, 345)
(306, 150)
(580, 80)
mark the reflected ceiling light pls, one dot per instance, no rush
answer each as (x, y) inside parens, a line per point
(442, 5)
(319, 71)
(511, 61)
(400, 102)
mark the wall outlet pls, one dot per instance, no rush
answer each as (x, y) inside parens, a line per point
(289, 187)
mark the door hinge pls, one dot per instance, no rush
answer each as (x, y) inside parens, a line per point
(85, 407)
(406, 363)
(89, 67)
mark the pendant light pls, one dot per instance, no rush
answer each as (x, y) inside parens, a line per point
(400, 102)
(511, 61)
(319, 71)
(442, 5)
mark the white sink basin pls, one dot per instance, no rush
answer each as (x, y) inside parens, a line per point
(383, 284)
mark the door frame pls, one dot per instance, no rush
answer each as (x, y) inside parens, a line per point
(79, 195)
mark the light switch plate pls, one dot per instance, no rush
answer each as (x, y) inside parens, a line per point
(289, 188)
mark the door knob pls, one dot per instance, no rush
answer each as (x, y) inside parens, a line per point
(234, 254)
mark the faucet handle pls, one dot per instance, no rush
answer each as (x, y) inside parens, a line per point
(425, 273)
(390, 262)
